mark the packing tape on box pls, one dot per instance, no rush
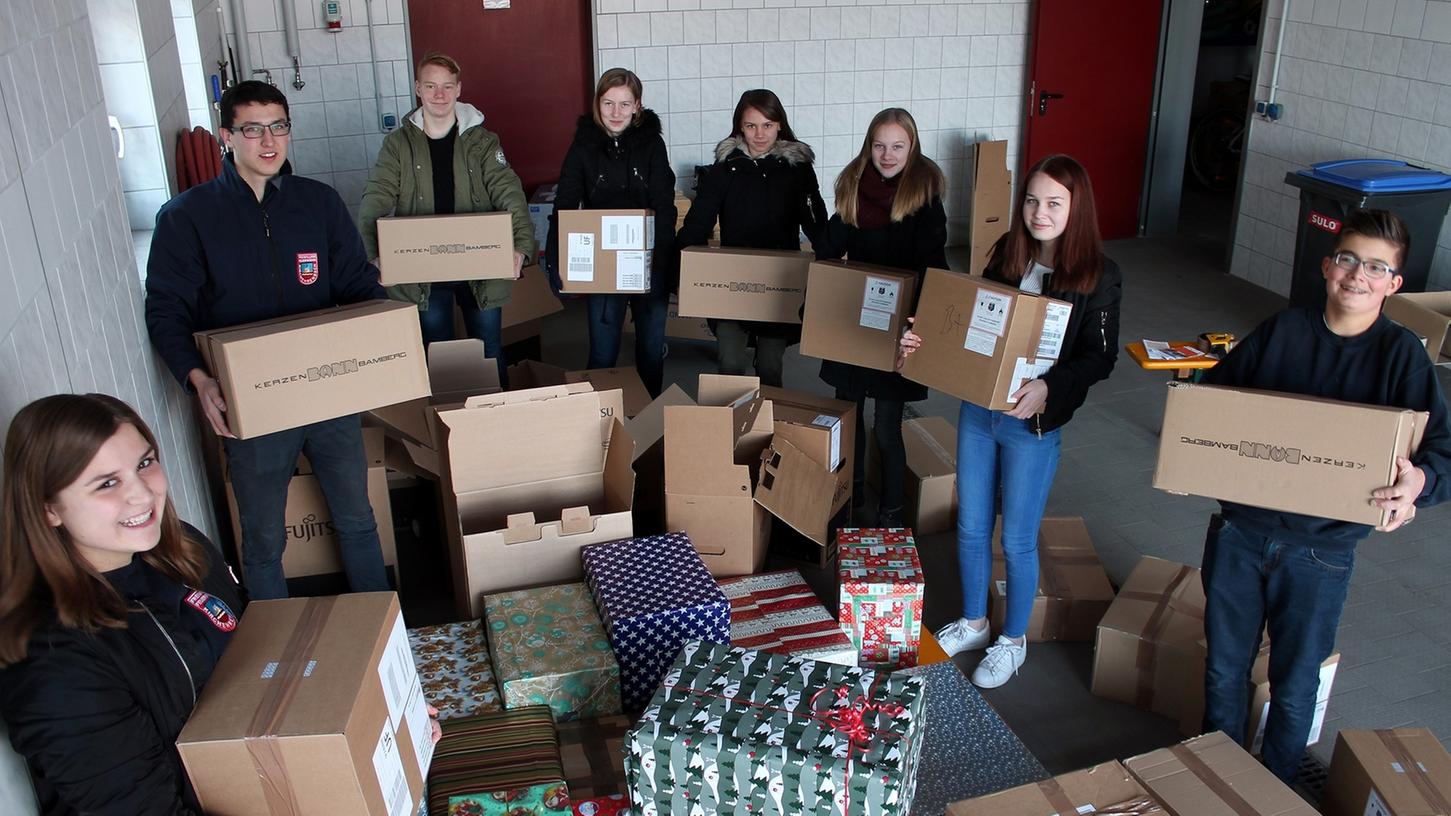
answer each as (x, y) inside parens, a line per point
(1137, 806)
(261, 738)
(1059, 599)
(1213, 781)
(1063, 804)
(1414, 771)
(932, 444)
(1147, 661)
(1057, 797)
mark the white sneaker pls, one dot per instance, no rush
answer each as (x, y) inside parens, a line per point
(959, 636)
(1002, 661)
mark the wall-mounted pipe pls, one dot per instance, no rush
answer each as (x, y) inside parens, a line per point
(373, 60)
(1279, 50)
(242, 55)
(294, 44)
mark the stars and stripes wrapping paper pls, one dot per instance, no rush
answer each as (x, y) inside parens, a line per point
(881, 594)
(778, 612)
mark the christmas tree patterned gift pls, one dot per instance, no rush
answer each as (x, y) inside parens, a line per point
(737, 731)
(881, 595)
(549, 648)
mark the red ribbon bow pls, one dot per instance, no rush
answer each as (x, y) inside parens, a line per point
(850, 720)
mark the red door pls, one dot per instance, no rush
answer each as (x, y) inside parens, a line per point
(528, 68)
(1091, 84)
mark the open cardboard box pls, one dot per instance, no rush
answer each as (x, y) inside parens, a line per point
(457, 370)
(1428, 314)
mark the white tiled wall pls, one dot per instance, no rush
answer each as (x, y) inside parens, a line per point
(70, 298)
(1358, 79)
(958, 66)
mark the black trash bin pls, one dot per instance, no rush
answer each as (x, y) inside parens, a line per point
(1329, 191)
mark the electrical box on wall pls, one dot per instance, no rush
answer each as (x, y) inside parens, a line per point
(332, 15)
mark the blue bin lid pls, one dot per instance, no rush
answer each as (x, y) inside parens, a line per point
(1378, 176)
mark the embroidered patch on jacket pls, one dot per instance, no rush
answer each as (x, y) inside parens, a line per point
(214, 608)
(499, 157)
(307, 268)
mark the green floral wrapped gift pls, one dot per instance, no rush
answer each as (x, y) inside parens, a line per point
(549, 647)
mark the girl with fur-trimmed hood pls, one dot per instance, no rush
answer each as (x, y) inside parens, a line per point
(763, 190)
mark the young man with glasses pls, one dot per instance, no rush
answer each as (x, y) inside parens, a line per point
(255, 243)
(1290, 572)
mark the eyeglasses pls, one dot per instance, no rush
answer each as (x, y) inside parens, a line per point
(253, 131)
(1375, 270)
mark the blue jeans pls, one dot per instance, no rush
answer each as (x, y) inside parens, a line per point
(1251, 580)
(993, 450)
(607, 322)
(482, 324)
(260, 470)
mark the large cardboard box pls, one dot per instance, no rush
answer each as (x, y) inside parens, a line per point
(930, 491)
(1106, 788)
(992, 200)
(314, 708)
(527, 488)
(1144, 654)
(1073, 589)
(1390, 772)
(1211, 776)
(743, 284)
(529, 300)
(855, 312)
(434, 248)
(292, 371)
(981, 341)
(1282, 451)
(711, 450)
(1428, 314)
(1191, 718)
(606, 251)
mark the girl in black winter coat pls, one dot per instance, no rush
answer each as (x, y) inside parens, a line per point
(888, 212)
(618, 161)
(763, 188)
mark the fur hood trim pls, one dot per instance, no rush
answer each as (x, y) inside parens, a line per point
(784, 149)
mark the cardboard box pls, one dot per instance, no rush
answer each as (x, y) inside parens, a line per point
(436, 248)
(1191, 718)
(881, 583)
(541, 206)
(777, 612)
(292, 371)
(930, 490)
(1281, 451)
(606, 251)
(855, 312)
(457, 370)
(1211, 776)
(529, 300)
(526, 488)
(1144, 653)
(1391, 772)
(1102, 788)
(314, 708)
(992, 200)
(625, 379)
(710, 451)
(1073, 589)
(806, 474)
(981, 341)
(821, 427)
(647, 428)
(1428, 314)
(743, 284)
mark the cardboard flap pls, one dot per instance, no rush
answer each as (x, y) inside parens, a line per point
(1428, 315)
(575, 520)
(796, 489)
(627, 380)
(458, 369)
(619, 469)
(648, 426)
(742, 395)
(700, 452)
(520, 527)
(518, 437)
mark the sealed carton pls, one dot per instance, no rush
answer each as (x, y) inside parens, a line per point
(992, 200)
(292, 371)
(1191, 718)
(314, 708)
(1428, 314)
(1106, 788)
(1144, 653)
(930, 491)
(606, 251)
(821, 427)
(777, 612)
(806, 472)
(981, 340)
(743, 284)
(435, 248)
(548, 647)
(1283, 451)
(855, 312)
(526, 488)
(1388, 772)
(529, 300)
(1073, 589)
(881, 581)
(1211, 776)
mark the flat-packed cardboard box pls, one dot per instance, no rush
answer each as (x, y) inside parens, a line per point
(1428, 314)
(1390, 772)
(314, 708)
(981, 341)
(1191, 718)
(436, 248)
(1282, 451)
(855, 312)
(292, 371)
(527, 489)
(1102, 788)
(529, 300)
(711, 450)
(625, 379)
(743, 284)
(606, 251)
(1144, 653)
(930, 491)
(541, 206)
(1073, 589)
(1211, 776)
(992, 200)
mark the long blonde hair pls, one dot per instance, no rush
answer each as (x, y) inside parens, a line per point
(919, 182)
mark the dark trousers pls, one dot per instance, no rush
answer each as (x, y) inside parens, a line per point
(607, 322)
(887, 429)
(733, 352)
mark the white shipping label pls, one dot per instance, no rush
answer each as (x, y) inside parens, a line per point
(1024, 370)
(982, 342)
(1003, 588)
(990, 312)
(875, 319)
(420, 729)
(1055, 326)
(881, 294)
(1375, 806)
(632, 274)
(397, 672)
(834, 424)
(388, 765)
(580, 265)
(622, 232)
